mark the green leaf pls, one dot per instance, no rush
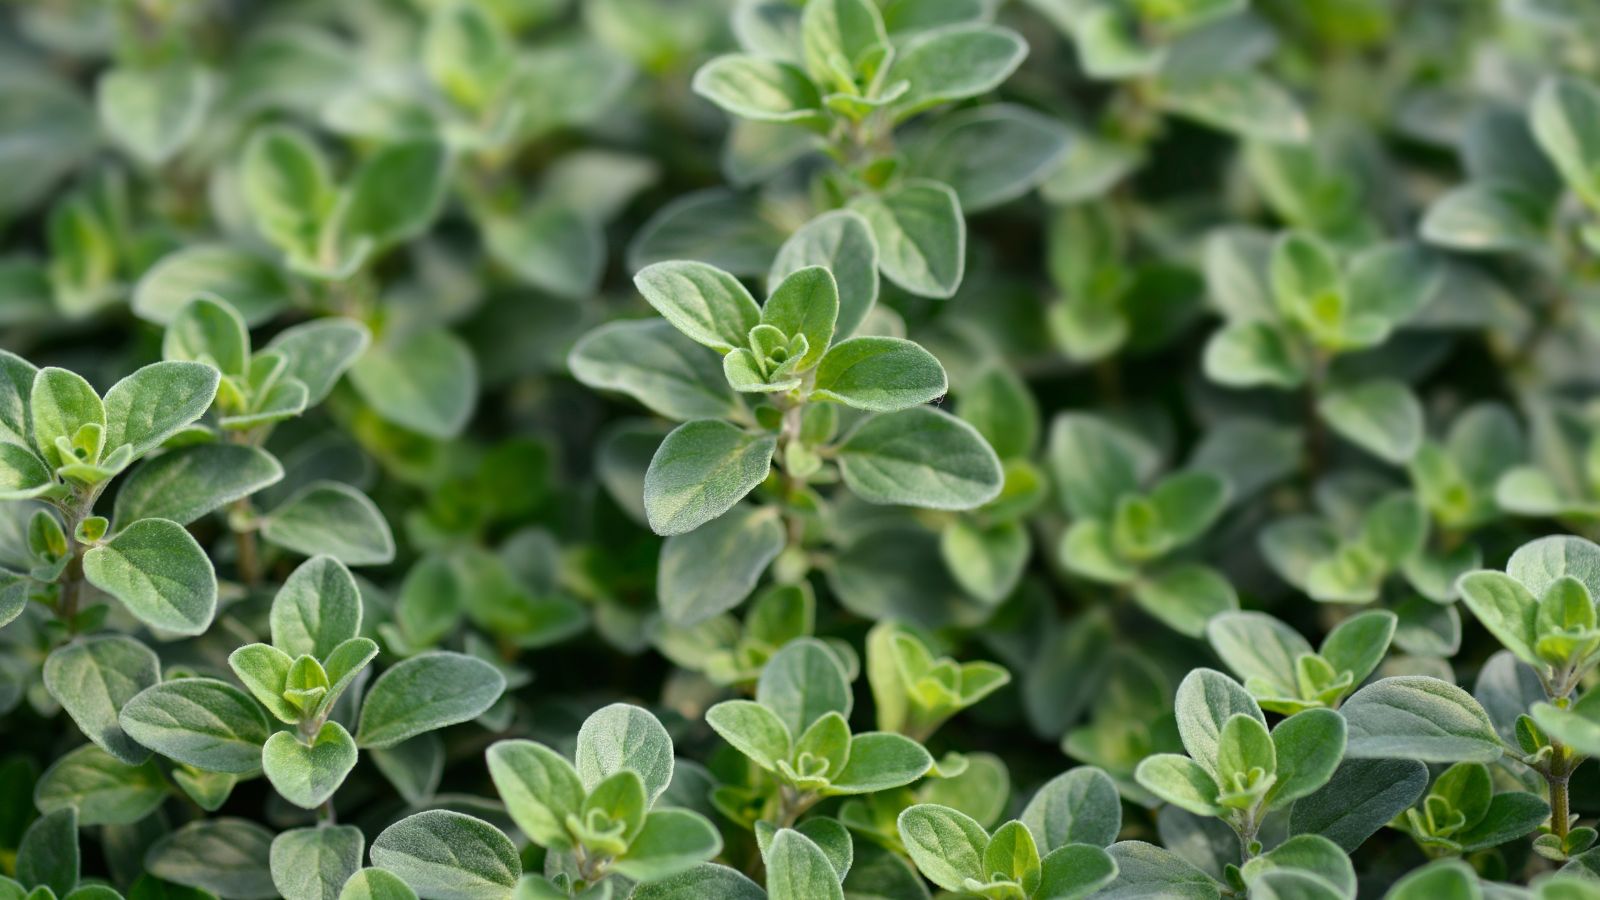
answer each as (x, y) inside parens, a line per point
(1506, 609)
(842, 242)
(1563, 116)
(1207, 699)
(48, 855)
(1075, 871)
(426, 381)
(1305, 855)
(672, 841)
(805, 302)
(1145, 870)
(250, 284)
(1186, 597)
(208, 330)
(1382, 417)
(550, 246)
(920, 457)
(327, 517)
(1259, 649)
(1446, 879)
(156, 402)
(343, 665)
(992, 154)
(376, 884)
(16, 389)
(752, 729)
(761, 90)
(1359, 643)
(228, 857)
(395, 194)
(446, 855)
(153, 112)
(797, 869)
(308, 774)
(879, 374)
(1094, 463)
(61, 402)
(1255, 354)
(199, 722)
(320, 351)
(93, 679)
(700, 471)
(921, 236)
(1180, 781)
(700, 882)
(183, 484)
(1362, 796)
(715, 567)
(1487, 217)
(1577, 725)
(987, 562)
(655, 365)
(539, 787)
(1539, 564)
(425, 693)
(803, 682)
(716, 226)
(317, 609)
(316, 863)
(880, 761)
(467, 53)
(1079, 806)
(158, 571)
(946, 845)
(1244, 102)
(104, 790)
(1309, 747)
(1511, 815)
(708, 305)
(264, 671)
(953, 64)
(1013, 856)
(1418, 717)
(60, 134)
(840, 38)
(622, 736)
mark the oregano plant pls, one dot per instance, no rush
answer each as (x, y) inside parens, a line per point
(799, 450)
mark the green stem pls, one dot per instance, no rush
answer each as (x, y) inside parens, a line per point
(244, 538)
(1560, 808)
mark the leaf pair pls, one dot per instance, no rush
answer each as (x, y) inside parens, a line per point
(797, 729)
(297, 370)
(912, 691)
(1235, 767)
(329, 231)
(602, 806)
(1279, 667)
(957, 854)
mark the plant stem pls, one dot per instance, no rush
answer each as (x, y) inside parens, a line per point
(1316, 432)
(244, 537)
(1560, 810)
(792, 805)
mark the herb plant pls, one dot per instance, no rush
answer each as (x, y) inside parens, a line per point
(799, 450)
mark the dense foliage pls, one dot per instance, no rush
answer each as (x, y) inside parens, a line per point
(806, 449)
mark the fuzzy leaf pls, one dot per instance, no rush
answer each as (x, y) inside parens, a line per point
(425, 693)
(447, 855)
(315, 863)
(701, 471)
(158, 571)
(199, 722)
